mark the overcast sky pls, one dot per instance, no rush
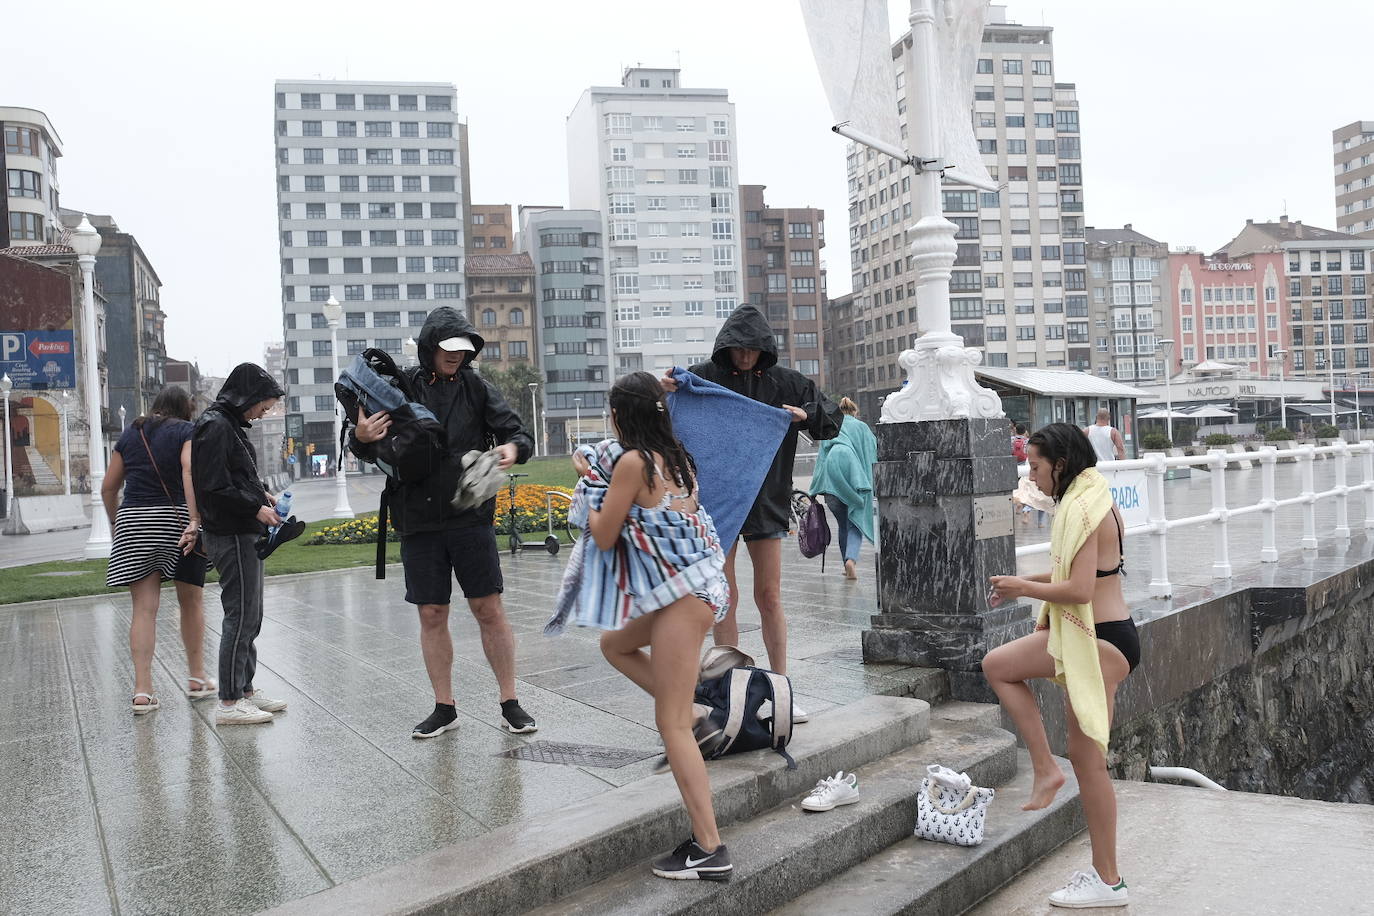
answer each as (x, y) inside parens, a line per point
(1195, 115)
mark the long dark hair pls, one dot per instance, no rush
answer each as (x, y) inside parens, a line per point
(1066, 442)
(641, 417)
(171, 403)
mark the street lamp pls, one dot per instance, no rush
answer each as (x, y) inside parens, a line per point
(66, 449)
(534, 414)
(577, 427)
(5, 385)
(605, 429)
(333, 313)
(1167, 346)
(1356, 374)
(1283, 398)
(410, 350)
(85, 241)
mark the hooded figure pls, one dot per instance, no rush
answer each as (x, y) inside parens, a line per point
(473, 413)
(224, 466)
(773, 385)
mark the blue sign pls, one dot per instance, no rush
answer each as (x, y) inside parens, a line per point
(39, 359)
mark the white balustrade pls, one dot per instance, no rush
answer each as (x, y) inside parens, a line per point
(1268, 505)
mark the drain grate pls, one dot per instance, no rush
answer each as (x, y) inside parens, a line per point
(577, 755)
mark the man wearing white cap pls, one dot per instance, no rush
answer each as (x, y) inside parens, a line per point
(439, 542)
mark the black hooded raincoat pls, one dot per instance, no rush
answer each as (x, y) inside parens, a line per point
(774, 385)
(224, 466)
(475, 415)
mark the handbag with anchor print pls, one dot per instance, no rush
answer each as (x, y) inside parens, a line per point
(950, 809)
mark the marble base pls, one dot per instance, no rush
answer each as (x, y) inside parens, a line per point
(945, 523)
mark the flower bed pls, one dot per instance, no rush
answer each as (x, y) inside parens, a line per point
(531, 515)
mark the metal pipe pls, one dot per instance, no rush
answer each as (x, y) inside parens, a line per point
(1185, 774)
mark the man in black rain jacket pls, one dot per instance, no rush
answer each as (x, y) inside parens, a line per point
(439, 542)
(235, 507)
(745, 360)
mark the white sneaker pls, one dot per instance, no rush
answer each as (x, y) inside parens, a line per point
(266, 703)
(840, 789)
(798, 714)
(1085, 889)
(241, 713)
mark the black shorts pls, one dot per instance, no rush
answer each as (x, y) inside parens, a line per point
(432, 558)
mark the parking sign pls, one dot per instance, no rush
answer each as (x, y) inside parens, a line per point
(42, 360)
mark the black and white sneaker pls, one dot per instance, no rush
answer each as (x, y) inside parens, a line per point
(689, 862)
(515, 720)
(444, 718)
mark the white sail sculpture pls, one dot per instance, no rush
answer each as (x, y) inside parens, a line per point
(853, 50)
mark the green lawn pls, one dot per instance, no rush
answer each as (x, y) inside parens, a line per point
(36, 581)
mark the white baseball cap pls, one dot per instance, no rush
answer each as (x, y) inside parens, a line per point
(454, 344)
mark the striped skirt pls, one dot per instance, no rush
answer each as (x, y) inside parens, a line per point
(145, 542)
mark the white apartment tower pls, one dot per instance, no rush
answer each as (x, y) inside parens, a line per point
(1020, 268)
(660, 162)
(371, 196)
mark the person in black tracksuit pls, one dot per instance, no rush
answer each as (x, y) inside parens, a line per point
(745, 360)
(235, 509)
(438, 541)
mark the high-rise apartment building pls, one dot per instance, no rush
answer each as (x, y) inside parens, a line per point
(1353, 152)
(660, 162)
(490, 229)
(29, 162)
(567, 248)
(842, 368)
(1128, 287)
(370, 192)
(1328, 287)
(274, 361)
(1021, 262)
(784, 277)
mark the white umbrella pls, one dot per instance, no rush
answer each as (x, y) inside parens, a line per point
(1211, 413)
(1161, 413)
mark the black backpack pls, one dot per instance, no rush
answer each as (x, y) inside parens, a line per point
(735, 698)
(415, 444)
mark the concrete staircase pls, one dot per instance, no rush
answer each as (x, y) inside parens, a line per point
(45, 481)
(592, 857)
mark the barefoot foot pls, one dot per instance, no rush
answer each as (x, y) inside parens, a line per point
(849, 571)
(1044, 789)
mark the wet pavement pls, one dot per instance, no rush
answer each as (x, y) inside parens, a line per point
(104, 812)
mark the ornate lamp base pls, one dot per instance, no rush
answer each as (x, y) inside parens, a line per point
(940, 383)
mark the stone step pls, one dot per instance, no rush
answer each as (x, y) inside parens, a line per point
(785, 851)
(528, 864)
(919, 877)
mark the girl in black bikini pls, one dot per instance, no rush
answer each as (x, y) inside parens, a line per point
(1058, 453)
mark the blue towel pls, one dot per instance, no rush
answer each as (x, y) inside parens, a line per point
(732, 439)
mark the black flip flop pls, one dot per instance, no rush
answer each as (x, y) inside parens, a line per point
(288, 530)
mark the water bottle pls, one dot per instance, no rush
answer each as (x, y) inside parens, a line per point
(283, 511)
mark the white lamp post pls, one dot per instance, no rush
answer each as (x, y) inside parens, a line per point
(1355, 374)
(5, 385)
(410, 350)
(333, 313)
(1283, 397)
(1167, 346)
(85, 241)
(534, 414)
(1331, 365)
(577, 427)
(605, 425)
(65, 403)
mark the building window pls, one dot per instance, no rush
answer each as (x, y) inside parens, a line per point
(447, 290)
(320, 348)
(22, 183)
(312, 129)
(386, 291)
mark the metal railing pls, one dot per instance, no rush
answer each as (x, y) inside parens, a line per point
(1220, 515)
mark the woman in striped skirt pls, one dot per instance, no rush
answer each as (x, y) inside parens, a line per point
(155, 532)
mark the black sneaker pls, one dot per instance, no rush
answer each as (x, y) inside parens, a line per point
(444, 718)
(689, 862)
(515, 720)
(708, 736)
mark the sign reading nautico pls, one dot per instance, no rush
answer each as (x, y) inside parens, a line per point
(1229, 265)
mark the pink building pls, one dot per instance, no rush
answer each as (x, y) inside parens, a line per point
(1229, 310)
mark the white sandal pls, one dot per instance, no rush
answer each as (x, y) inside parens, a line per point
(144, 708)
(208, 688)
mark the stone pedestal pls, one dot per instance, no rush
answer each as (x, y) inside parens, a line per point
(945, 525)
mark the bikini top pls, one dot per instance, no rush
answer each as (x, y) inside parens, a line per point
(668, 494)
(1121, 551)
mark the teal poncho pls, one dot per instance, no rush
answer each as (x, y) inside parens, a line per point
(844, 469)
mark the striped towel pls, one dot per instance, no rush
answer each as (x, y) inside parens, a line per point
(662, 555)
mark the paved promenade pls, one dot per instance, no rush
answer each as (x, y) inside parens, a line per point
(164, 813)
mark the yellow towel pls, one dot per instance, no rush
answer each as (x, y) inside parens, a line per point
(1073, 638)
